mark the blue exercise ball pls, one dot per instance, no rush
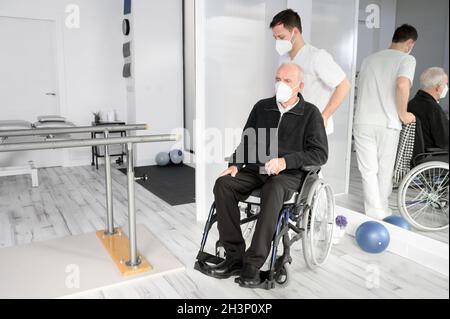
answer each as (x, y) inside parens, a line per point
(398, 221)
(372, 237)
(162, 159)
(176, 156)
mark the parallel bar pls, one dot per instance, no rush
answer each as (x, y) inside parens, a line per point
(109, 201)
(30, 146)
(134, 258)
(73, 130)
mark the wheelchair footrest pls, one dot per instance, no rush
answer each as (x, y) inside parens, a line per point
(265, 282)
(206, 261)
(208, 258)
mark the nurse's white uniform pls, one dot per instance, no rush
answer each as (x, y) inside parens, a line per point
(322, 76)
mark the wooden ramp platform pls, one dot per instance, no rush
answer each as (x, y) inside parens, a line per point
(77, 264)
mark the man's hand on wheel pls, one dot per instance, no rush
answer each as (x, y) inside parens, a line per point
(232, 170)
(275, 166)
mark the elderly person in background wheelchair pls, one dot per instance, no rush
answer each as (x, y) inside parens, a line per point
(422, 158)
(425, 106)
(297, 128)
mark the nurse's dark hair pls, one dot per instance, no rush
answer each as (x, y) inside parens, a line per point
(289, 18)
(404, 33)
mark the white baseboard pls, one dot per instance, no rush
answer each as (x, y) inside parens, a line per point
(418, 248)
(145, 162)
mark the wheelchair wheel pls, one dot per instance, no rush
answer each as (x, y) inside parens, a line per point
(318, 224)
(247, 233)
(423, 197)
(282, 276)
(248, 229)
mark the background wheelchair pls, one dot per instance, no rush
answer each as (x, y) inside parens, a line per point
(308, 215)
(423, 192)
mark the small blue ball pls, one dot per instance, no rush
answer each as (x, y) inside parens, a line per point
(398, 221)
(372, 237)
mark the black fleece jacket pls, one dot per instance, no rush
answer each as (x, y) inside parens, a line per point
(432, 118)
(302, 139)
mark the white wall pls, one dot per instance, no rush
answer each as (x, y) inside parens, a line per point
(387, 23)
(375, 39)
(431, 20)
(91, 62)
(304, 9)
(189, 72)
(158, 73)
(91, 58)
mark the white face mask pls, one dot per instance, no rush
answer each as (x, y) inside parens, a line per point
(284, 46)
(444, 92)
(284, 92)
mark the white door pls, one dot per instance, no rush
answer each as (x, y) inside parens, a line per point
(28, 80)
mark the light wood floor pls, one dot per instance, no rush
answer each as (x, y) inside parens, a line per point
(354, 200)
(70, 201)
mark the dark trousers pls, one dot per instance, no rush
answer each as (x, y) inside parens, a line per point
(228, 191)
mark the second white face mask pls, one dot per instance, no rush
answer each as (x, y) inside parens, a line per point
(444, 92)
(284, 92)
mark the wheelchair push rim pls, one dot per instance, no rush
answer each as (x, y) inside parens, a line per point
(318, 224)
(423, 197)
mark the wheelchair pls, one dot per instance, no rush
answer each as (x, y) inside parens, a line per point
(308, 215)
(423, 193)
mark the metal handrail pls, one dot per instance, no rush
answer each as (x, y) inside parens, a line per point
(72, 143)
(74, 130)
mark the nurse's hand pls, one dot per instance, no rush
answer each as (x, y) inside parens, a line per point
(275, 166)
(407, 118)
(232, 170)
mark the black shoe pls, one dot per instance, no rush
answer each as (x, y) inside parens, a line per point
(226, 269)
(250, 277)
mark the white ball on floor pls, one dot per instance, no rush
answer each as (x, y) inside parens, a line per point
(176, 156)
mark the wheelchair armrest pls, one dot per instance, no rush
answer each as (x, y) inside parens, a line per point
(311, 168)
(433, 150)
(421, 156)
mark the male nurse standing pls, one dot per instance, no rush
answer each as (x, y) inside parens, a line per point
(385, 81)
(326, 84)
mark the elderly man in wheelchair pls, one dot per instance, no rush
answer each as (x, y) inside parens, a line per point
(421, 168)
(285, 189)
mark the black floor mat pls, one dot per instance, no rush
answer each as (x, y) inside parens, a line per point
(175, 184)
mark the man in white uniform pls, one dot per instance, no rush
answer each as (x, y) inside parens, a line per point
(326, 84)
(385, 82)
